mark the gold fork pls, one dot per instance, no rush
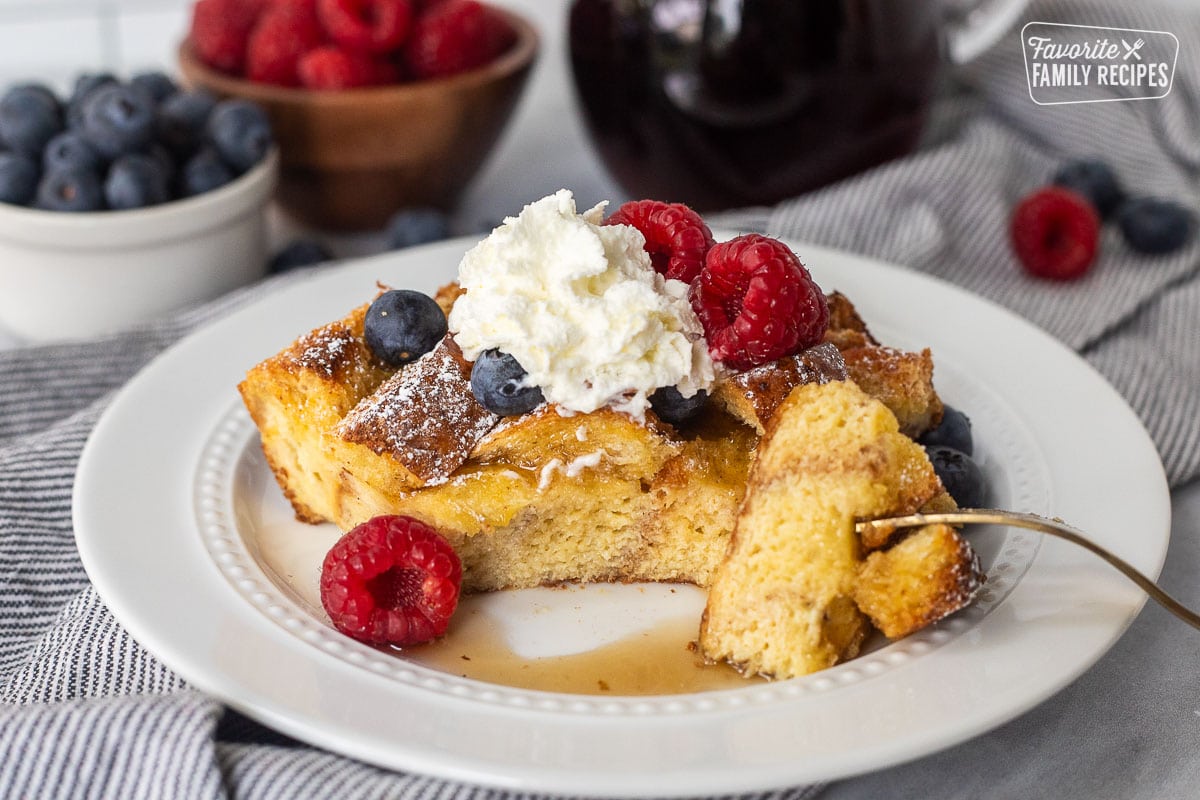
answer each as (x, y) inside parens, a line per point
(1053, 527)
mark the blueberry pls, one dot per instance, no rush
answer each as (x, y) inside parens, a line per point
(85, 85)
(88, 82)
(204, 172)
(18, 178)
(498, 382)
(70, 190)
(117, 120)
(44, 93)
(953, 431)
(241, 133)
(156, 86)
(27, 120)
(959, 474)
(671, 406)
(69, 150)
(163, 157)
(402, 325)
(1154, 226)
(181, 120)
(1093, 179)
(135, 181)
(416, 226)
(299, 253)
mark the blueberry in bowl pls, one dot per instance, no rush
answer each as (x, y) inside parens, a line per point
(19, 175)
(70, 190)
(144, 142)
(240, 132)
(70, 150)
(117, 120)
(30, 116)
(103, 224)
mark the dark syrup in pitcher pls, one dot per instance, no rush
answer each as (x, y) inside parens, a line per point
(723, 103)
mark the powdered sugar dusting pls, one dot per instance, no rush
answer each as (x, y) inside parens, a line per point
(425, 416)
(326, 349)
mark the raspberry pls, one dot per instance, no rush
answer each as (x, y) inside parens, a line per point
(676, 237)
(330, 68)
(1055, 233)
(391, 580)
(757, 302)
(384, 71)
(220, 32)
(281, 37)
(366, 26)
(455, 36)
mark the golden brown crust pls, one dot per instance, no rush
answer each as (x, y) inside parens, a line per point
(296, 396)
(846, 326)
(843, 316)
(780, 602)
(929, 574)
(784, 600)
(446, 296)
(902, 380)
(753, 396)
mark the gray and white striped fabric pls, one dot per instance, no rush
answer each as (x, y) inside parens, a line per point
(88, 713)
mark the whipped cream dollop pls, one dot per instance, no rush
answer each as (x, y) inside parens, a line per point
(580, 307)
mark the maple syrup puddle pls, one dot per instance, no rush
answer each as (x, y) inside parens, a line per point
(655, 661)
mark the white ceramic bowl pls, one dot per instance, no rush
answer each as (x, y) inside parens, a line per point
(72, 275)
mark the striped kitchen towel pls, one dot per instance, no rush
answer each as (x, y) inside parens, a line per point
(87, 712)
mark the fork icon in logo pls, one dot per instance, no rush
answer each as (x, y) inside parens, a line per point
(1132, 49)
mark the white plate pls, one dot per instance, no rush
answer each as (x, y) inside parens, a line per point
(173, 504)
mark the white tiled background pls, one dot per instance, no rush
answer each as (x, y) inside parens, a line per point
(55, 40)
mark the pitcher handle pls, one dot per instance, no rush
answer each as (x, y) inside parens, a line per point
(975, 25)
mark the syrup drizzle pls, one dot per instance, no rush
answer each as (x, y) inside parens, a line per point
(655, 661)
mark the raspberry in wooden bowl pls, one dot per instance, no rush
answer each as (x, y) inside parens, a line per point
(377, 105)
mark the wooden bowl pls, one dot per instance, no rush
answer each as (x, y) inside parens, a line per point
(351, 159)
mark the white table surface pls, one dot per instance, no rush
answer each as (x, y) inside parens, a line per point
(545, 149)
